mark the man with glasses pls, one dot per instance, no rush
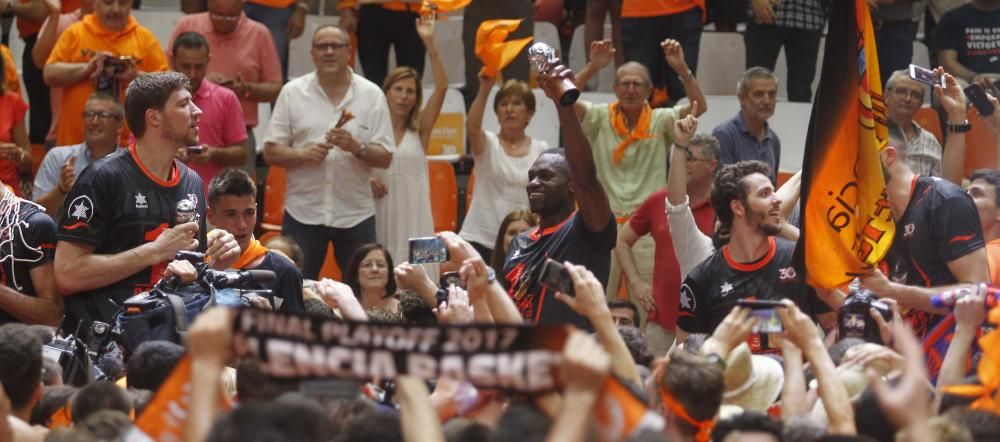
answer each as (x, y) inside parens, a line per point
(903, 98)
(244, 59)
(631, 141)
(329, 128)
(103, 120)
(747, 136)
(104, 52)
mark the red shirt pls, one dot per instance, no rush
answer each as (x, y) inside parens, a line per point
(221, 124)
(651, 217)
(12, 110)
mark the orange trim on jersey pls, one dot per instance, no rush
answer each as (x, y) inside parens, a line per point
(76, 226)
(961, 238)
(754, 266)
(927, 281)
(536, 234)
(47, 246)
(175, 172)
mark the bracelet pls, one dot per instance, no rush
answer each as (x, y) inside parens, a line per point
(358, 153)
(688, 76)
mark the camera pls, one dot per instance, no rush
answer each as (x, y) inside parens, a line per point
(855, 320)
(77, 353)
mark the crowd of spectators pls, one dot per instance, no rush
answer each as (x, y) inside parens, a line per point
(672, 236)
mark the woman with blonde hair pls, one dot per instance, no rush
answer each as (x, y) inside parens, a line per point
(402, 192)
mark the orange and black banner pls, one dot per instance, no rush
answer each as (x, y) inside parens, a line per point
(847, 225)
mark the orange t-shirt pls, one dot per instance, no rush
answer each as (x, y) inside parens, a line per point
(27, 28)
(78, 45)
(11, 82)
(280, 4)
(656, 8)
(993, 260)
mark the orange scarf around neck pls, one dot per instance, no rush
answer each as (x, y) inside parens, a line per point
(639, 132)
(254, 250)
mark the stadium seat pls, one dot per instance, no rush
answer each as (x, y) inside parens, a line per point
(928, 119)
(547, 33)
(448, 135)
(721, 60)
(980, 146)
(444, 195)
(274, 200)
(37, 155)
(577, 56)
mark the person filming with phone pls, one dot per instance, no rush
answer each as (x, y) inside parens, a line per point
(754, 266)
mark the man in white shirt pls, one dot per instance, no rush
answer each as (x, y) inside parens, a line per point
(329, 128)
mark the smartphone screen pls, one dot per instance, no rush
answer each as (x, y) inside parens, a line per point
(426, 250)
(555, 277)
(766, 313)
(925, 76)
(978, 98)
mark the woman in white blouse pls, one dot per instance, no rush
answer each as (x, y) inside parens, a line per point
(502, 160)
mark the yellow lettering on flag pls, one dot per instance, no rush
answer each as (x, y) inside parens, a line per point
(493, 49)
(847, 226)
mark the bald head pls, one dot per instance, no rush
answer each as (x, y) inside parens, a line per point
(635, 68)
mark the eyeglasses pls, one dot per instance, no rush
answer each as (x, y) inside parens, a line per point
(330, 46)
(100, 114)
(690, 157)
(377, 265)
(631, 84)
(913, 95)
(228, 18)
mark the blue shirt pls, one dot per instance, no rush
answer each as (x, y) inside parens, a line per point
(48, 175)
(738, 144)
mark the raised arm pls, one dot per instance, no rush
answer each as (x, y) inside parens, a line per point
(970, 312)
(674, 55)
(474, 121)
(952, 100)
(425, 28)
(683, 130)
(602, 53)
(47, 36)
(590, 196)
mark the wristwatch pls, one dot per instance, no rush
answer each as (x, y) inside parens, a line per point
(360, 150)
(491, 275)
(959, 128)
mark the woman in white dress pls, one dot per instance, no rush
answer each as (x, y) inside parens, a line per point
(402, 192)
(502, 160)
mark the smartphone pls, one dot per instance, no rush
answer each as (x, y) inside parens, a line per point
(766, 314)
(925, 76)
(226, 83)
(426, 250)
(978, 98)
(555, 277)
(449, 278)
(196, 149)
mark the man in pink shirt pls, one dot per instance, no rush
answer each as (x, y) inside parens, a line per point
(244, 58)
(221, 130)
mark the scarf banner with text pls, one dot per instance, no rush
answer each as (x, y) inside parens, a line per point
(516, 358)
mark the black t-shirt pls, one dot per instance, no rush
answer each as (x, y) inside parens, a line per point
(117, 205)
(26, 245)
(713, 288)
(940, 224)
(974, 34)
(287, 283)
(568, 241)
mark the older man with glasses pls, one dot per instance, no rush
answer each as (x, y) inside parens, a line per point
(903, 98)
(103, 120)
(244, 59)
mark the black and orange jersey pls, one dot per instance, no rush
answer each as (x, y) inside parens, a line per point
(568, 241)
(116, 205)
(28, 243)
(715, 286)
(940, 224)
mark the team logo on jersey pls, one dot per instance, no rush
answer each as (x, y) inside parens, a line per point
(516, 254)
(908, 230)
(726, 289)
(81, 208)
(140, 201)
(786, 274)
(687, 299)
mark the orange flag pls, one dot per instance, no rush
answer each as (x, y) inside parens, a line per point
(165, 416)
(847, 225)
(988, 371)
(493, 50)
(440, 6)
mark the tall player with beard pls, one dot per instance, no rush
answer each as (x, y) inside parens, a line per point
(754, 265)
(119, 226)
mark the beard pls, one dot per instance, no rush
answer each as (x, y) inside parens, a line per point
(184, 136)
(760, 220)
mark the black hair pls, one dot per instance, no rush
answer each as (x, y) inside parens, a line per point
(231, 182)
(53, 398)
(316, 307)
(105, 424)
(294, 251)
(990, 176)
(415, 310)
(522, 422)
(371, 427)
(625, 303)
(272, 421)
(984, 425)
(462, 429)
(636, 344)
(150, 91)
(869, 418)
(97, 396)
(729, 186)
(151, 364)
(20, 363)
(253, 385)
(351, 276)
(749, 421)
(189, 40)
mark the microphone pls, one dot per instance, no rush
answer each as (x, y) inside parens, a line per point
(949, 298)
(235, 279)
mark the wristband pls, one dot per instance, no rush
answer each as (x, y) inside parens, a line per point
(959, 128)
(717, 360)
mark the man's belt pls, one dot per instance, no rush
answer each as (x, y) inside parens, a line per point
(879, 24)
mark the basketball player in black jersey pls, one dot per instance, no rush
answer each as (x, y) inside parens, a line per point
(27, 242)
(129, 213)
(754, 265)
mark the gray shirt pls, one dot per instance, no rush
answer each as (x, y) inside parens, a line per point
(47, 177)
(738, 144)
